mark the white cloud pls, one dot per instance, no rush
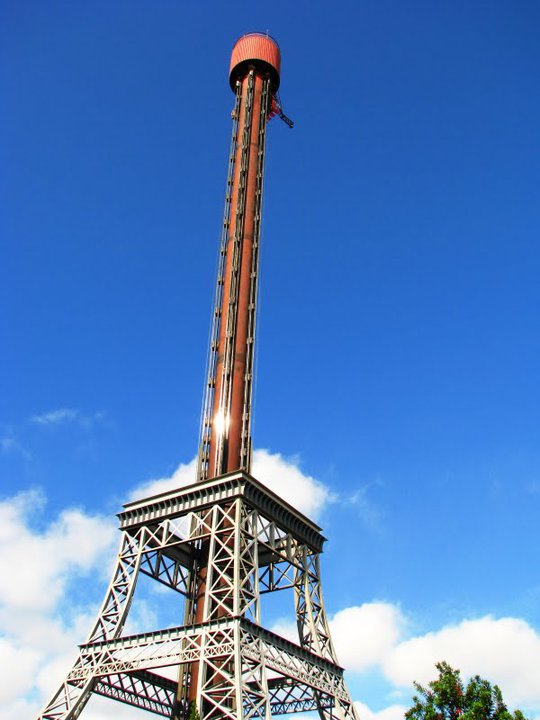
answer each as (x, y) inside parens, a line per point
(62, 416)
(39, 627)
(100, 708)
(185, 474)
(393, 712)
(505, 651)
(55, 417)
(9, 445)
(19, 665)
(286, 479)
(287, 628)
(371, 515)
(364, 636)
(38, 564)
(282, 476)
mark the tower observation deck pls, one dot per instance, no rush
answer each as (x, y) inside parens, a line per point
(225, 541)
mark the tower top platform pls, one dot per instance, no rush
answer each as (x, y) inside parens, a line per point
(260, 50)
(222, 490)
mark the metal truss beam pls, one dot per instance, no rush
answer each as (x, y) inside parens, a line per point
(183, 645)
(214, 542)
(143, 690)
(289, 697)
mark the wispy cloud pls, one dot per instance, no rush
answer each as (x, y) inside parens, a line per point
(10, 445)
(371, 514)
(533, 487)
(64, 416)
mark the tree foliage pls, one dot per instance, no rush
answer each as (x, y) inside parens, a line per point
(446, 698)
(193, 713)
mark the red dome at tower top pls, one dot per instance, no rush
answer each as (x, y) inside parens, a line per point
(258, 49)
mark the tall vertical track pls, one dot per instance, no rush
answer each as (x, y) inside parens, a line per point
(246, 447)
(211, 368)
(226, 347)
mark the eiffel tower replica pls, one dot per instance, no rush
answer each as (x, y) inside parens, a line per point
(224, 541)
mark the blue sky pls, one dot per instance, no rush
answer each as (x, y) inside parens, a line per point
(398, 346)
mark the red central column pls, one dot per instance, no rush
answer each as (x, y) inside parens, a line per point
(254, 77)
(226, 442)
(227, 410)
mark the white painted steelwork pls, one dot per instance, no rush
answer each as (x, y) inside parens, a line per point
(249, 542)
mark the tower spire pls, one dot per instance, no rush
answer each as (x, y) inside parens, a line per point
(226, 419)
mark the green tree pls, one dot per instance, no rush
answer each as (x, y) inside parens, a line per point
(193, 713)
(446, 698)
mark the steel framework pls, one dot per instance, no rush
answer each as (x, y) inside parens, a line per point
(225, 541)
(249, 542)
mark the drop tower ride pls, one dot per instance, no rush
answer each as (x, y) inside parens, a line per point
(226, 441)
(226, 541)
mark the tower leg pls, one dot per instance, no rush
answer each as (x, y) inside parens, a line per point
(71, 697)
(314, 630)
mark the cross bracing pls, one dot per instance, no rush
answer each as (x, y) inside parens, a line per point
(228, 541)
(155, 693)
(144, 690)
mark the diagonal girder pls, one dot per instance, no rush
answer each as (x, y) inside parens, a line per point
(143, 689)
(286, 697)
(169, 571)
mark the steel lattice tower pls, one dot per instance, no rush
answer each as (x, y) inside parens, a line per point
(226, 540)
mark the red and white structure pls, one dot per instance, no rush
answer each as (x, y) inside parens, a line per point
(224, 542)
